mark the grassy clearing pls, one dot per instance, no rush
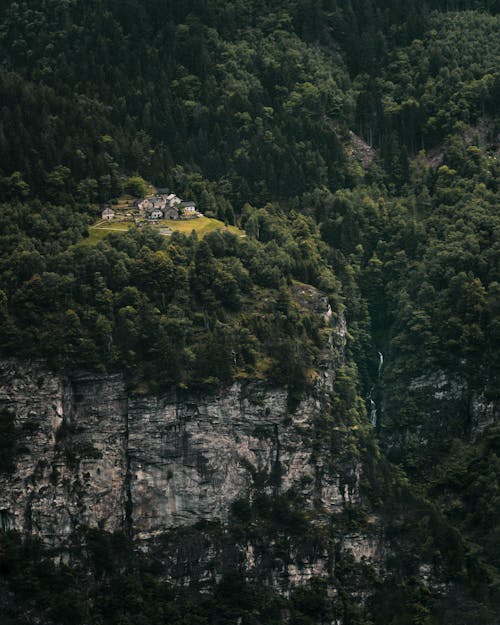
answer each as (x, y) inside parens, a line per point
(98, 231)
(202, 226)
(121, 226)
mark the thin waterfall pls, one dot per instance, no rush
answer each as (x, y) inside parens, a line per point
(373, 405)
(373, 412)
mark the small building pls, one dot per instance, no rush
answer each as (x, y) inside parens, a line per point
(188, 207)
(171, 212)
(144, 205)
(154, 213)
(108, 214)
(158, 202)
(173, 200)
(189, 210)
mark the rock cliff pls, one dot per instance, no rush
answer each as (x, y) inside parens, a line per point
(69, 456)
(89, 454)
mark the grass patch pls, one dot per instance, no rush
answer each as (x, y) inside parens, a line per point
(111, 226)
(201, 225)
(101, 230)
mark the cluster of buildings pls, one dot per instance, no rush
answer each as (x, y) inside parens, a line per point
(164, 205)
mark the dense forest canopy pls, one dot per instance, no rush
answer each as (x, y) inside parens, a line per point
(355, 143)
(255, 97)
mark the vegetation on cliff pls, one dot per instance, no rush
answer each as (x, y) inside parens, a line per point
(249, 107)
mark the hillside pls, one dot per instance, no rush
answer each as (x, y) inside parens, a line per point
(286, 410)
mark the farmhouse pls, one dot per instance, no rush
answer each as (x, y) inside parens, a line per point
(158, 202)
(154, 214)
(108, 214)
(173, 200)
(171, 212)
(144, 205)
(163, 206)
(189, 207)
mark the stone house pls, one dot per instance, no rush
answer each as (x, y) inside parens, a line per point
(108, 214)
(188, 207)
(154, 214)
(171, 212)
(173, 200)
(144, 205)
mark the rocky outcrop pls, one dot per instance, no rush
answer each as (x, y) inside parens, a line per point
(189, 460)
(89, 454)
(361, 151)
(70, 451)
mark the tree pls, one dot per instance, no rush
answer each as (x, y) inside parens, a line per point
(136, 186)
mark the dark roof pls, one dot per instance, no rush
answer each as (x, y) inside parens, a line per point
(188, 204)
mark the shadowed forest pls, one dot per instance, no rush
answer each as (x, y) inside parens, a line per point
(355, 144)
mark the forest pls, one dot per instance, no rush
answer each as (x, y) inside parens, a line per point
(355, 144)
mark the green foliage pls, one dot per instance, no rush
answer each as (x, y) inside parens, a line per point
(220, 98)
(136, 186)
(109, 581)
(447, 77)
(246, 108)
(179, 313)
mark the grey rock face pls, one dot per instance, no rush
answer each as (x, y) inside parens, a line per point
(70, 453)
(447, 394)
(189, 460)
(89, 454)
